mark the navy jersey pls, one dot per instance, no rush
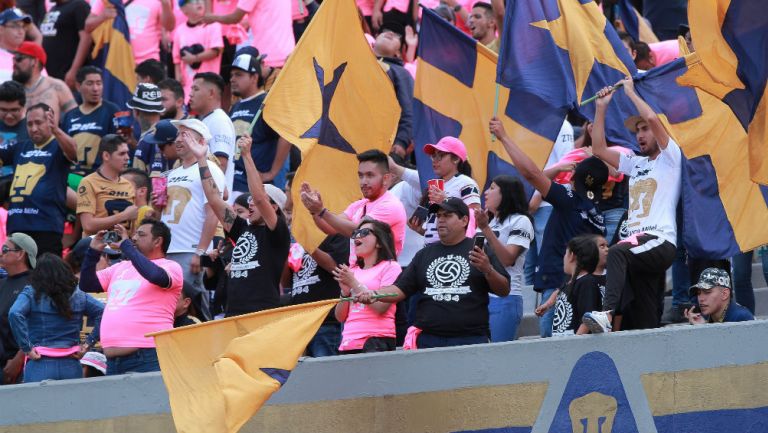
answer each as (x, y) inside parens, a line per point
(87, 130)
(264, 145)
(38, 192)
(9, 136)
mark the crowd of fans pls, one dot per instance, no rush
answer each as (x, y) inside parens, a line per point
(118, 222)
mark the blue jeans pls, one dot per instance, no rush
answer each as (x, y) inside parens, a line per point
(540, 219)
(504, 315)
(681, 279)
(545, 321)
(742, 278)
(52, 368)
(326, 341)
(426, 341)
(611, 217)
(140, 361)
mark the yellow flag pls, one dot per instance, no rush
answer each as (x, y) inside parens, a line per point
(219, 374)
(332, 100)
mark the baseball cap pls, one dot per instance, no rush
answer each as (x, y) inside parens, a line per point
(452, 205)
(276, 194)
(248, 59)
(682, 29)
(450, 145)
(631, 123)
(14, 14)
(589, 177)
(147, 97)
(164, 133)
(710, 278)
(96, 360)
(196, 125)
(33, 50)
(27, 244)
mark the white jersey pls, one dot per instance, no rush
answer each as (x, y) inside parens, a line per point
(185, 212)
(463, 187)
(514, 230)
(562, 146)
(654, 190)
(409, 193)
(222, 142)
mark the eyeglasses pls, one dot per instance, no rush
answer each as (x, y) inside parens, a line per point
(6, 249)
(4, 111)
(361, 233)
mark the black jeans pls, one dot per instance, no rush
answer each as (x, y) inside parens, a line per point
(635, 280)
(373, 344)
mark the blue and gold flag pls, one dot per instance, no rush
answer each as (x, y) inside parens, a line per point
(731, 38)
(634, 23)
(332, 100)
(218, 374)
(724, 212)
(454, 95)
(112, 53)
(556, 53)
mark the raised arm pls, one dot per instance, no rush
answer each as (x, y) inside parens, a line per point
(523, 163)
(646, 112)
(232, 18)
(327, 221)
(255, 185)
(216, 204)
(599, 145)
(67, 143)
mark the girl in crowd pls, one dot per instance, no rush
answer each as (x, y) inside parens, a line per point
(585, 288)
(368, 328)
(46, 320)
(509, 234)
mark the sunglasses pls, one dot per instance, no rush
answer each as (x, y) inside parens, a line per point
(19, 58)
(6, 249)
(361, 233)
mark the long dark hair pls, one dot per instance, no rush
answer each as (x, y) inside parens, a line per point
(54, 278)
(385, 239)
(587, 254)
(513, 199)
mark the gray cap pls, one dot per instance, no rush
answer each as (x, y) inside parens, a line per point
(27, 244)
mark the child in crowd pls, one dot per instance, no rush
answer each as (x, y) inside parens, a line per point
(368, 328)
(196, 46)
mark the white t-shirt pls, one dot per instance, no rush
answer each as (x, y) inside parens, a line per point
(222, 142)
(654, 190)
(460, 186)
(185, 212)
(562, 146)
(514, 230)
(409, 193)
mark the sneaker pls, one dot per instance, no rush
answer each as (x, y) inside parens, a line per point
(597, 322)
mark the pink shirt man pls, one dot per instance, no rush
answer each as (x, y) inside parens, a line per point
(386, 208)
(135, 306)
(145, 23)
(209, 36)
(271, 28)
(363, 322)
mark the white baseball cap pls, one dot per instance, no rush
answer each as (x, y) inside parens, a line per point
(196, 125)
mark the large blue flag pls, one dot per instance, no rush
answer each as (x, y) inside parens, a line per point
(634, 23)
(454, 95)
(113, 54)
(556, 53)
(724, 212)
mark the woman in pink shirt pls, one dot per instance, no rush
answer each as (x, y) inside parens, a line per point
(368, 328)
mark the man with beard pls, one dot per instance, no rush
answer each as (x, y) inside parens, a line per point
(90, 121)
(377, 202)
(38, 193)
(173, 99)
(28, 63)
(269, 150)
(636, 266)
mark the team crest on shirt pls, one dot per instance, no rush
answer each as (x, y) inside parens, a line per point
(563, 314)
(243, 255)
(447, 277)
(305, 277)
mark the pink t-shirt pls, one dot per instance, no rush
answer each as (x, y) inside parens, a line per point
(235, 33)
(145, 23)
(135, 306)
(363, 321)
(298, 9)
(209, 36)
(578, 155)
(387, 208)
(365, 6)
(401, 5)
(6, 65)
(271, 28)
(665, 51)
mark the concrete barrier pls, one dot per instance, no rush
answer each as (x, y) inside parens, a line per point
(701, 379)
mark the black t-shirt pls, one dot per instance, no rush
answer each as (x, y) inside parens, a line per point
(9, 291)
(313, 283)
(586, 295)
(9, 136)
(60, 29)
(257, 263)
(615, 195)
(454, 294)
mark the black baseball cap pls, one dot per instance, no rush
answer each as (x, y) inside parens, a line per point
(452, 205)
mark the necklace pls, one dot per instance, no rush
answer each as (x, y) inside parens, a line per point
(34, 86)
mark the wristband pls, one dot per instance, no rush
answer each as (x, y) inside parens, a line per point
(200, 252)
(322, 212)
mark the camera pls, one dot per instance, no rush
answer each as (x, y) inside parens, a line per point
(111, 237)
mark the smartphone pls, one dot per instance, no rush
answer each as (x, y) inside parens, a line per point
(205, 260)
(479, 241)
(687, 306)
(421, 213)
(160, 188)
(111, 237)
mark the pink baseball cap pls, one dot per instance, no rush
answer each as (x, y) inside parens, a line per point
(449, 145)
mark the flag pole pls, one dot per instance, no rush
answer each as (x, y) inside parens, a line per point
(255, 119)
(593, 98)
(495, 109)
(380, 295)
